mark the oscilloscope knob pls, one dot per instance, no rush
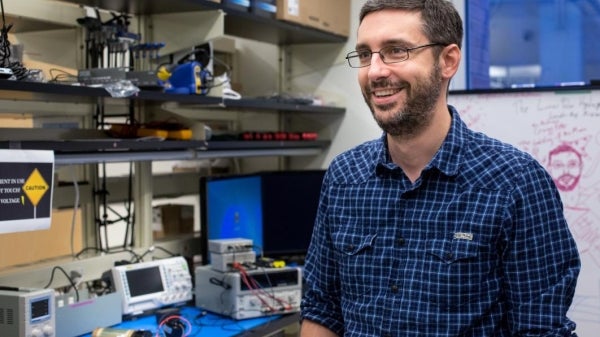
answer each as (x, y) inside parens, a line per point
(35, 332)
(48, 330)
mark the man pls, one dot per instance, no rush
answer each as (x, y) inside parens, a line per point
(565, 166)
(433, 229)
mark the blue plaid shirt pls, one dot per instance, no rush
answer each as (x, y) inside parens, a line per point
(477, 246)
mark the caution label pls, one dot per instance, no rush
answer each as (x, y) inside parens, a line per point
(25, 190)
(35, 187)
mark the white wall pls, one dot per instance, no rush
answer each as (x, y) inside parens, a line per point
(324, 70)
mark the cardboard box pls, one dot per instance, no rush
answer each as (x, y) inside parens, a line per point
(332, 16)
(171, 220)
(335, 16)
(289, 10)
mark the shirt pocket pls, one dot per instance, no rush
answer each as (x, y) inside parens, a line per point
(355, 257)
(456, 272)
(353, 245)
(451, 251)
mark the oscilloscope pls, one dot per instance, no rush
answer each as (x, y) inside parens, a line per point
(151, 285)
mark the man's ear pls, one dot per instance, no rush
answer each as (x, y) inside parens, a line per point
(450, 60)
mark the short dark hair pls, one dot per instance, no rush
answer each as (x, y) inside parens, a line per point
(441, 21)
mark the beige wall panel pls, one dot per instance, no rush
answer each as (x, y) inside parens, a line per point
(27, 247)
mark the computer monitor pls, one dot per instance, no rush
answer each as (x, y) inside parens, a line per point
(275, 209)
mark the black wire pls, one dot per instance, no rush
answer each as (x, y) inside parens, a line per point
(68, 278)
(5, 44)
(18, 70)
(141, 257)
(166, 251)
(134, 254)
(103, 215)
(88, 248)
(128, 207)
(3, 19)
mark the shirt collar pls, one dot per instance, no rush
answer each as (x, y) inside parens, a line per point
(446, 160)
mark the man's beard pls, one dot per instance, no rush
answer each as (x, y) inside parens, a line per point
(417, 112)
(566, 182)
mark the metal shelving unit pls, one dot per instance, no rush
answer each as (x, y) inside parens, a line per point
(33, 99)
(237, 22)
(125, 150)
(106, 149)
(34, 91)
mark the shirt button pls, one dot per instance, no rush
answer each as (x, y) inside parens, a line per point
(449, 256)
(387, 335)
(394, 288)
(400, 241)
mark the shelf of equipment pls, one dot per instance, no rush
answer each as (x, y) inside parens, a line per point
(237, 22)
(106, 149)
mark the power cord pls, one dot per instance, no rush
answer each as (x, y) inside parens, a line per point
(174, 326)
(71, 280)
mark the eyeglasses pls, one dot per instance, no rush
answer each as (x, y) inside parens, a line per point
(388, 54)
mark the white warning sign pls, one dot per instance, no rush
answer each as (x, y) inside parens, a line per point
(25, 190)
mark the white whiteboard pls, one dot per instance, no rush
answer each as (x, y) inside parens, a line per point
(548, 124)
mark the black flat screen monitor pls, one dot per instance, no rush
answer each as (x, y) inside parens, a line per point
(275, 209)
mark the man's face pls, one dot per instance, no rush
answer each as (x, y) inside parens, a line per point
(401, 96)
(565, 168)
